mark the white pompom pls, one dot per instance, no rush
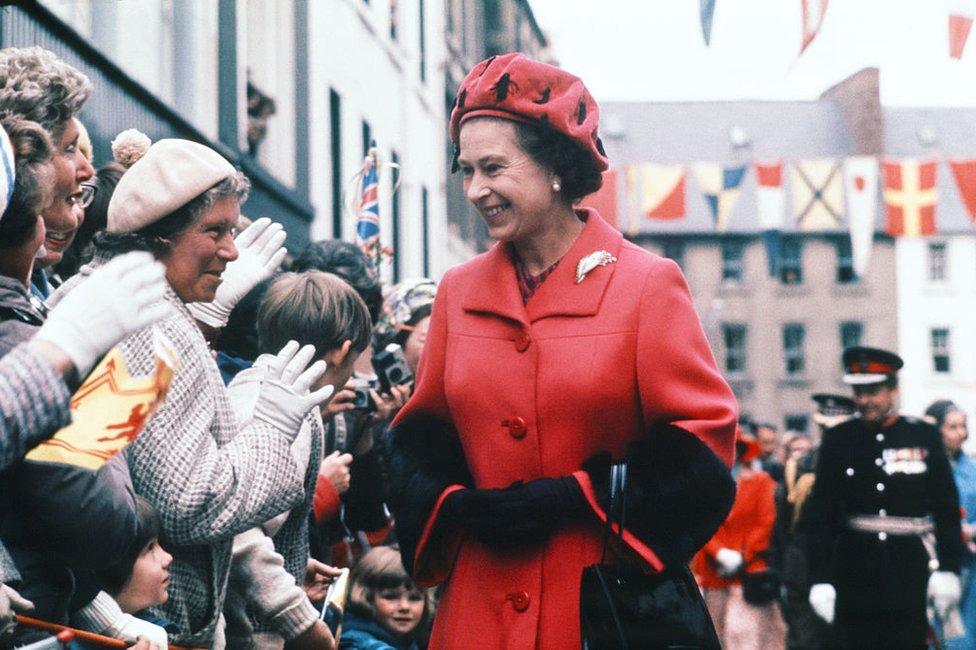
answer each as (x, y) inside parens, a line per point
(129, 146)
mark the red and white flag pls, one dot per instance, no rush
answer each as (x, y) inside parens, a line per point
(656, 191)
(960, 22)
(910, 193)
(861, 192)
(769, 195)
(964, 172)
(813, 15)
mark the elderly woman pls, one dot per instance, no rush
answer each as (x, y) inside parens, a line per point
(951, 422)
(38, 86)
(208, 478)
(560, 347)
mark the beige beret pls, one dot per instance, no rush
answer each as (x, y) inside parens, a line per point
(170, 174)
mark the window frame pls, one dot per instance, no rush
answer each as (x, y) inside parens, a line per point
(794, 354)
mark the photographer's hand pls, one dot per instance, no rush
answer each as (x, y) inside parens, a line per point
(388, 404)
(342, 401)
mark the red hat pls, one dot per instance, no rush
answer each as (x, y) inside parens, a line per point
(514, 87)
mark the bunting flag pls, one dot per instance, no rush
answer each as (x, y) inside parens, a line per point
(861, 189)
(813, 15)
(910, 195)
(964, 172)
(368, 208)
(769, 208)
(707, 12)
(960, 22)
(720, 185)
(658, 190)
(818, 194)
(108, 411)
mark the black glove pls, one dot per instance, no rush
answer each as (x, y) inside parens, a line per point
(520, 515)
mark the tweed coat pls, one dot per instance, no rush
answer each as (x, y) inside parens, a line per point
(511, 392)
(33, 405)
(207, 478)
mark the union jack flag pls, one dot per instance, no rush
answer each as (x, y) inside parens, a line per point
(368, 223)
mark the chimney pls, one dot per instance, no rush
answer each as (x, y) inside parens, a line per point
(859, 100)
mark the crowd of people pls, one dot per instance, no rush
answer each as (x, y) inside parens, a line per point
(760, 572)
(452, 444)
(260, 474)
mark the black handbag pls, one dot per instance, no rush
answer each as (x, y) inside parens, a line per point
(622, 607)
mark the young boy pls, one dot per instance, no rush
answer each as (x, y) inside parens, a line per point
(271, 563)
(138, 580)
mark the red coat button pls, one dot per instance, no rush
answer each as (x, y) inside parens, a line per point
(522, 342)
(516, 427)
(519, 599)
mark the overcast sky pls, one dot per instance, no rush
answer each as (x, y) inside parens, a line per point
(652, 50)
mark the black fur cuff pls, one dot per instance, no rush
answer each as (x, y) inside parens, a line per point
(678, 492)
(424, 457)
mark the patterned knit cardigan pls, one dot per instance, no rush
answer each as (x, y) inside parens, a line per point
(207, 479)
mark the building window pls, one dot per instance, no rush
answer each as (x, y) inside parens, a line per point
(851, 333)
(845, 262)
(395, 217)
(423, 41)
(796, 422)
(734, 335)
(940, 349)
(732, 262)
(793, 335)
(335, 151)
(367, 138)
(674, 249)
(791, 261)
(938, 271)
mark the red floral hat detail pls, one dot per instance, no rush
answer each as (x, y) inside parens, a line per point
(514, 87)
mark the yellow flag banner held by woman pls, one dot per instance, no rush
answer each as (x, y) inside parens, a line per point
(108, 411)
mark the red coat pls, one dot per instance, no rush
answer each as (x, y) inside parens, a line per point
(747, 530)
(526, 391)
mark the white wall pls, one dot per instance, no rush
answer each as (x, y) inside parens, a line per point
(922, 305)
(378, 80)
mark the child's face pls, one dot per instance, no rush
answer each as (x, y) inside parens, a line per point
(149, 581)
(399, 610)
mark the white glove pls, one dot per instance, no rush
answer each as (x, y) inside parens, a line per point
(11, 603)
(119, 298)
(729, 562)
(944, 590)
(260, 252)
(823, 596)
(284, 400)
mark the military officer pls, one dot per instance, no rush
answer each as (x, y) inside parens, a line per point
(882, 522)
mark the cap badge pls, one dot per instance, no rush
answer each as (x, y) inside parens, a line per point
(591, 261)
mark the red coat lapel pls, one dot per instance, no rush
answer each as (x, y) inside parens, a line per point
(559, 295)
(494, 287)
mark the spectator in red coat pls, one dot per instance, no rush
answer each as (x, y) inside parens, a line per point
(737, 552)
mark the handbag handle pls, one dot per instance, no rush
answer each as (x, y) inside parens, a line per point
(617, 508)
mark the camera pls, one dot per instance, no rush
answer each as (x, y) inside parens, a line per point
(391, 367)
(363, 401)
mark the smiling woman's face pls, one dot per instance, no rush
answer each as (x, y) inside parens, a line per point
(62, 217)
(200, 253)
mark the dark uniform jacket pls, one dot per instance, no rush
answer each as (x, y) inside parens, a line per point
(899, 470)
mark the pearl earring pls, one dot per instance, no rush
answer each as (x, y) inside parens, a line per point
(556, 186)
